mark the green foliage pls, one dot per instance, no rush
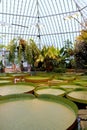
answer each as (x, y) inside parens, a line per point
(52, 57)
(20, 52)
(11, 47)
(82, 37)
(2, 46)
(27, 51)
(66, 56)
(68, 44)
(47, 56)
(35, 52)
(80, 50)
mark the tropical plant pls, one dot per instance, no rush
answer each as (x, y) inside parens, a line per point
(2, 46)
(23, 50)
(47, 56)
(34, 52)
(68, 53)
(11, 48)
(82, 37)
(80, 50)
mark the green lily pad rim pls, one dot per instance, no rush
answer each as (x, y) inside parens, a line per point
(72, 88)
(81, 82)
(12, 74)
(19, 83)
(36, 78)
(4, 83)
(46, 97)
(71, 85)
(61, 100)
(80, 89)
(15, 97)
(75, 99)
(47, 87)
(5, 77)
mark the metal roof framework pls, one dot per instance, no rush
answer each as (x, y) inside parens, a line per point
(42, 20)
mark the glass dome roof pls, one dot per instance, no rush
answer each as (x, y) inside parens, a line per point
(48, 22)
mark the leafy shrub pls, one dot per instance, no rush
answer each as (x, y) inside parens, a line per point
(80, 51)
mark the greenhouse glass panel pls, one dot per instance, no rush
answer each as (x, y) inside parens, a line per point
(48, 22)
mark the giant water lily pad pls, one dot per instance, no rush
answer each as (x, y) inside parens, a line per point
(15, 89)
(68, 86)
(78, 95)
(5, 77)
(49, 90)
(56, 82)
(5, 81)
(81, 82)
(36, 79)
(26, 112)
(84, 77)
(68, 77)
(19, 74)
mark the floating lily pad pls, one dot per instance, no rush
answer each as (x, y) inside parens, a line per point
(55, 82)
(15, 89)
(37, 79)
(5, 81)
(81, 82)
(84, 78)
(30, 113)
(69, 77)
(68, 86)
(5, 77)
(78, 95)
(49, 90)
(19, 74)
